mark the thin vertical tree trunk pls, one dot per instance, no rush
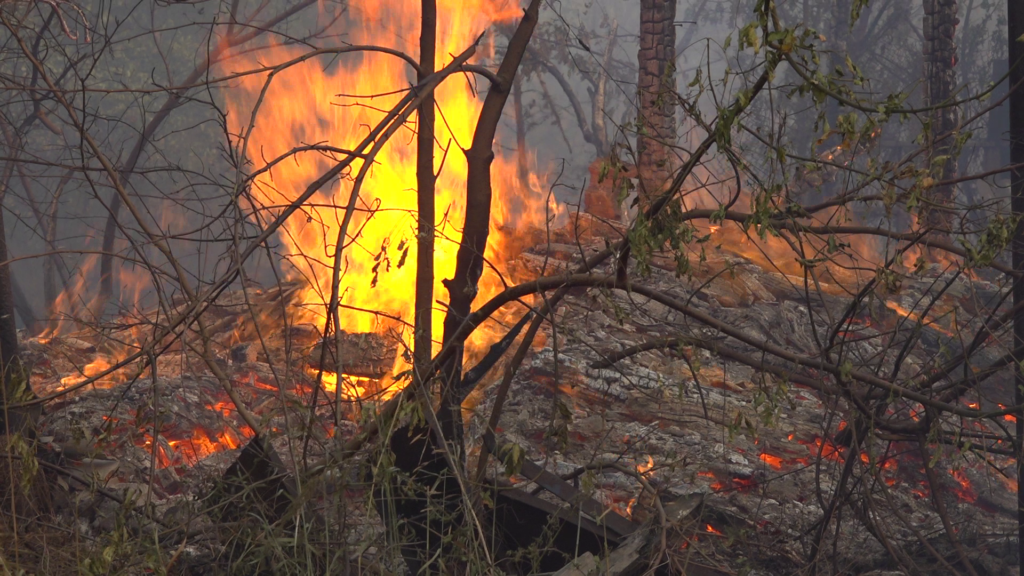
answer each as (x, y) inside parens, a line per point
(469, 261)
(940, 22)
(423, 336)
(1015, 25)
(600, 129)
(656, 94)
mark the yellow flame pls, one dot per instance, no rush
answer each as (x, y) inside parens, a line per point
(334, 102)
(90, 370)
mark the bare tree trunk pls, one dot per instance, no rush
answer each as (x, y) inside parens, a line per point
(1015, 25)
(14, 380)
(940, 22)
(600, 94)
(837, 44)
(655, 91)
(469, 262)
(423, 337)
(24, 309)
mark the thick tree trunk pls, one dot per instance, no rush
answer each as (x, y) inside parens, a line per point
(940, 22)
(656, 94)
(1015, 18)
(12, 377)
(23, 308)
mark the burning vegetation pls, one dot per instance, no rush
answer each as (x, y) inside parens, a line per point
(369, 324)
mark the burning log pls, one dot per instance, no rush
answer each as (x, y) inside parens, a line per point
(368, 355)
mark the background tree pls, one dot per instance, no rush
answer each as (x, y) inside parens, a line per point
(940, 59)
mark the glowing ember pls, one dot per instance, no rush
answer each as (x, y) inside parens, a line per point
(773, 461)
(737, 484)
(827, 449)
(711, 530)
(189, 451)
(1007, 417)
(963, 489)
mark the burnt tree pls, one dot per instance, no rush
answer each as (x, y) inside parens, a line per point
(656, 122)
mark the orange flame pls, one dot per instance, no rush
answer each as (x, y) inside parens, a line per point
(915, 317)
(964, 490)
(91, 369)
(334, 102)
(644, 469)
(773, 461)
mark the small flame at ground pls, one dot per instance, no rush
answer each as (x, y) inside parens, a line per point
(773, 461)
(90, 370)
(644, 469)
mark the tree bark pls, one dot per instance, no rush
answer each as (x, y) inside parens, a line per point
(1015, 25)
(469, 262)
(14, 384)
(656, 94)
(940, 22)
(423, 335)
(23, 308)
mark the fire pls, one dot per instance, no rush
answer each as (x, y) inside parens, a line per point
(645, 469)
(773, 461)
(91, 369)
(351, 386)
(712, 530)
(199, 445)
(964, 490)
(333, 102)
(825, 448)
(1008, 417)
(915, 317)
